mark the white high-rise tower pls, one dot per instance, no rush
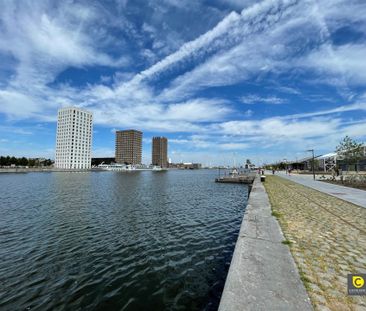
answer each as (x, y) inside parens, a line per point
(74, 138)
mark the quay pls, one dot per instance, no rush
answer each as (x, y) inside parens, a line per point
(236, 180)
(39, 170)
(262, 274)
(298, 241)
(236, 177)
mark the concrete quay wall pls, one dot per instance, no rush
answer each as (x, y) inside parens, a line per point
(42, 170)
(262, 274)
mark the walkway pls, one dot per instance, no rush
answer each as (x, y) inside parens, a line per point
(328, 238)
(263, 274)
(352, 195)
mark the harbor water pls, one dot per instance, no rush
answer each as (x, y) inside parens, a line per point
(116, 240)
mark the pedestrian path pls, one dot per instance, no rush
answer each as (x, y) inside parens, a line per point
(328, 238)
(352, 195)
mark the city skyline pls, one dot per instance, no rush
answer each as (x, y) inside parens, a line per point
(223, 81)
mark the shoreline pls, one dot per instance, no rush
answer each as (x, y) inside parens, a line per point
(38, 170)
(262, 274)
(50, 170)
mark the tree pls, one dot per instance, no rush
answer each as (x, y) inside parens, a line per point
(23, 161)
(282, 166)
(13, 160)
(47, 162)
(351, 151)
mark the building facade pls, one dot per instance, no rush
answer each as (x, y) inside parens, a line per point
(128, 147)
(160, 151)
(186, 166)
(74, 138)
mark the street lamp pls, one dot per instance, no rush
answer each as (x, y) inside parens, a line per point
(313, 165)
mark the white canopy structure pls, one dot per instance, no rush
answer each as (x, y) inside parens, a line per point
(328, 161)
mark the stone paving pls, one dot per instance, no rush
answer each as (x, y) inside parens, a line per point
(355, 196)
(327, 238)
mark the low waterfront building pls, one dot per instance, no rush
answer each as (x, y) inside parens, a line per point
(326, 163)
(160, 151)
(74, 138)
(128, 147)
(186, 166)
(97, 161)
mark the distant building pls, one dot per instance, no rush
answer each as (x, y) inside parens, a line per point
(160, 151)
(74, 138)
(97, 161)
(186, 166)
(249, 166)
(128, 147)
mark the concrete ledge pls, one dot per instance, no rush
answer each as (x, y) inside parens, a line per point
(262, 274)
(40, 170)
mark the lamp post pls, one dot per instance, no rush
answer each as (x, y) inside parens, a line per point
(313, 164)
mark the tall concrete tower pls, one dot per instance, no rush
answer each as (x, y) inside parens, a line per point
(74, 138)
(128, 147)
(160, 151)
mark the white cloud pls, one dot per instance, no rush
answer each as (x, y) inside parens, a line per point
(238, 49)
(11, 129)
(271, 38)
(274, 128)
(45, 41)
(255, 99)
(233, 146)
(178, 141)
(276, 44)
(199, 109)
(190, 48)
(248, 113)
(343, 64)
(353, 107)
(289, 90)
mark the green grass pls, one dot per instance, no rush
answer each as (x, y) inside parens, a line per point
(305, 280)
(286, 242)
(276, 214)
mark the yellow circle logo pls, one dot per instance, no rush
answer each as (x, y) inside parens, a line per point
(358, 281)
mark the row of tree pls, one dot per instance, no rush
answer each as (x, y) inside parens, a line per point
(351, 152)
(8, 161)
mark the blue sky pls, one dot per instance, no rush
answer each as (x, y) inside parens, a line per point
(264, 80)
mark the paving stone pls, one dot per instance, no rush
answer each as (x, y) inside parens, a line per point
(330, 236)
(322, 308)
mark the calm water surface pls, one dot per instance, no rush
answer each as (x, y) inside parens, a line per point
(116, 241)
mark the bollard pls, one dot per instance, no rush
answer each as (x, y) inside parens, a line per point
(263, 178)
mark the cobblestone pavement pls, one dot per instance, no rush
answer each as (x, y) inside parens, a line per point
(327, 238)
(352, 195)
